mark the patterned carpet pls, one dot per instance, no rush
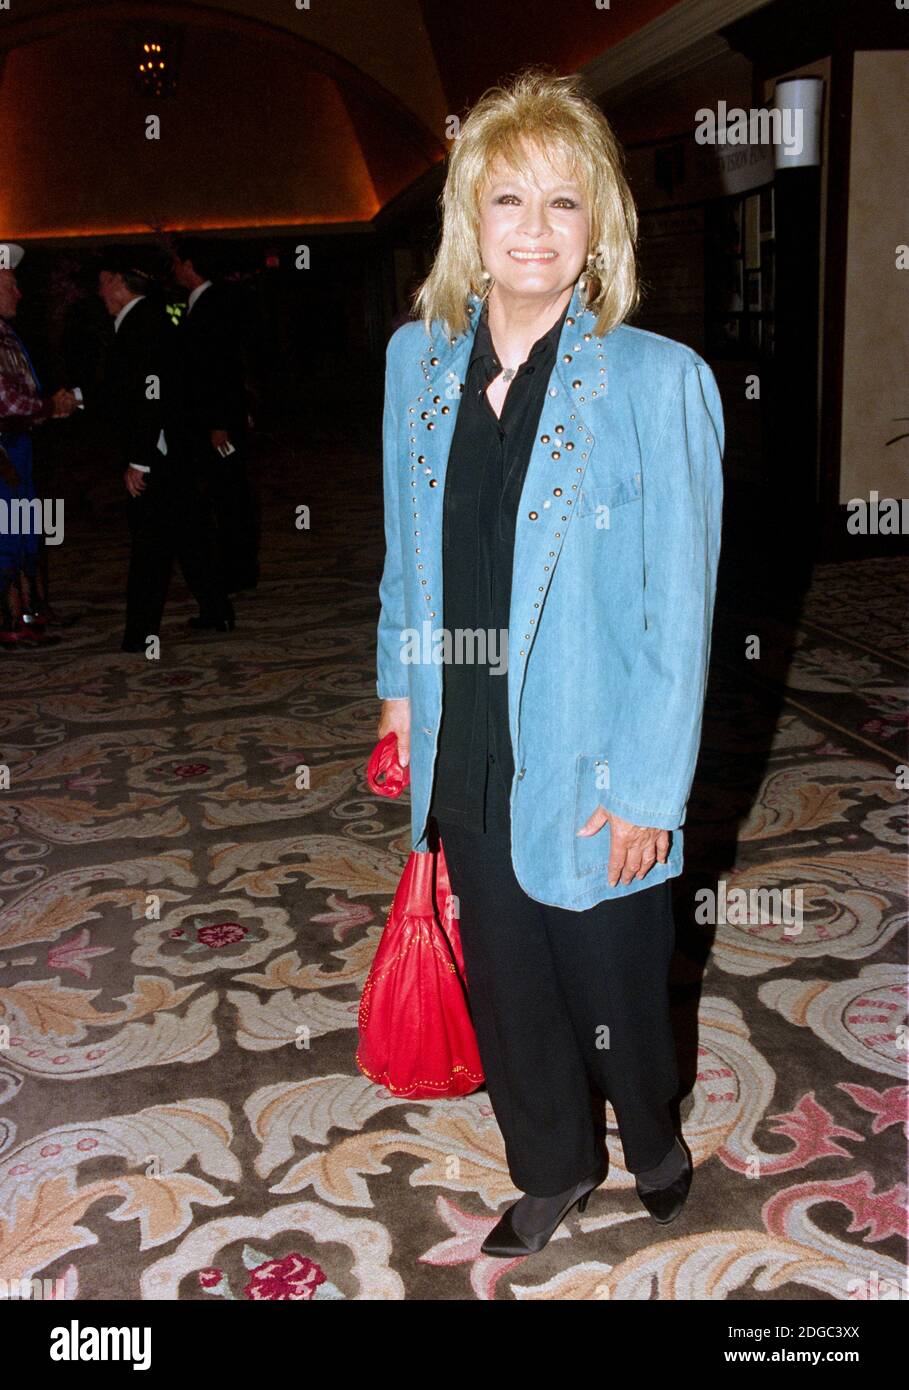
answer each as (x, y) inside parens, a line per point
(185, 934)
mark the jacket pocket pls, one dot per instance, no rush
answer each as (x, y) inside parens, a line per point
(615, 494)
(591, 852)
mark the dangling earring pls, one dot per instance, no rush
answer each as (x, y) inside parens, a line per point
(594, 266)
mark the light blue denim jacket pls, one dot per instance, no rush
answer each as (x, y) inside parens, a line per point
(616, 548)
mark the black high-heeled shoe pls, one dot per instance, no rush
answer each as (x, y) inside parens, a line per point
(665, 1203)
(504, 1241)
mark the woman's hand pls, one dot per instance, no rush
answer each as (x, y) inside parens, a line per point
(396, 715)
(634, 849)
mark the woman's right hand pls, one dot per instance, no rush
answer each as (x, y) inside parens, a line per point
(396, 716)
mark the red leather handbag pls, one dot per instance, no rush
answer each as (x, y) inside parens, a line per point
(416, 1037)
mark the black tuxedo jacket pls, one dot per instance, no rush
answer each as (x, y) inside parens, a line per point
(212, 368)
(144, 347)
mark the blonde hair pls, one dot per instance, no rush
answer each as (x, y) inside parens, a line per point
(537, 110)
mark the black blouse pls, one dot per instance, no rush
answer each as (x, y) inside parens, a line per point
(484, 478)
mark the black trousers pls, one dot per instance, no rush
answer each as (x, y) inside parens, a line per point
(168, 519)
(560, 1000)
(230, 504)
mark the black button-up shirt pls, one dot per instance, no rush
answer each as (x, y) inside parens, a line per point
(487, 464)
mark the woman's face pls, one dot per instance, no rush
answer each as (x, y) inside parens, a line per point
(534, 229)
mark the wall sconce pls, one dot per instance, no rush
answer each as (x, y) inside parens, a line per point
(800, 100)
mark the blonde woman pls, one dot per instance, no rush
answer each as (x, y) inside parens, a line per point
(553, 492)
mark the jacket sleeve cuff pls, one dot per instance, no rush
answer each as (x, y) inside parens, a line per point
(643, 815)
(385, 692)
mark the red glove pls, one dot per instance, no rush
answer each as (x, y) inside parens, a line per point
(384, 772)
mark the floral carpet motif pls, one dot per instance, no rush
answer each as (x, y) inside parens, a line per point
(194, 879)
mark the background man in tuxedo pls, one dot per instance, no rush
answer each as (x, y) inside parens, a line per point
(143, 390)
(215, 420)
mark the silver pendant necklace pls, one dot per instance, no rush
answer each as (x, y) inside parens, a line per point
(508, 373)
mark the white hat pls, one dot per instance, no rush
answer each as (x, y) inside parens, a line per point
(10, 254)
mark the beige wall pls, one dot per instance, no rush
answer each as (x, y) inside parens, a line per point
(876, 349)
